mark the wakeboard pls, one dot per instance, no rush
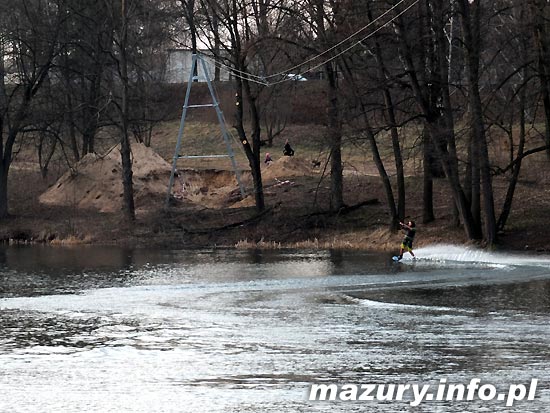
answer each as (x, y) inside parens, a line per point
(395, 258)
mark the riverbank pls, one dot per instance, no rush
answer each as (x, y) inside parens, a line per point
(296, 216)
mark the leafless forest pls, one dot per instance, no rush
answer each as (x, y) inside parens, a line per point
(473, 75)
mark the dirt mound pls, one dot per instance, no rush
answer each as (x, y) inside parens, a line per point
(286, 167)
(218, 188)
(211, 188)
(96, 181)
(276, 174)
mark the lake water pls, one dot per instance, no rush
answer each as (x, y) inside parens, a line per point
(101, 329)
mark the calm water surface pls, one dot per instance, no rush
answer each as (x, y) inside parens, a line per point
(90, 329)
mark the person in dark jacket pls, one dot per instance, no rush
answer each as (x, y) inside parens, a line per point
(407, 244)
(287, 150)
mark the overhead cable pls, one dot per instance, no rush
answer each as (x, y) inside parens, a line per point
(263, 80)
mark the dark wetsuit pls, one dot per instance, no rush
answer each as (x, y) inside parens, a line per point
(409, 238)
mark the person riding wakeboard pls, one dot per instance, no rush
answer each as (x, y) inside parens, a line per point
(410, 232)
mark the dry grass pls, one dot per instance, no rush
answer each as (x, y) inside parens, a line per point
(268, 245)
(334, 243)
(73, 240)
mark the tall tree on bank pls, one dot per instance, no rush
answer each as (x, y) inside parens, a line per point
(539, 16)
(121, 15)
(92, 60)
(125, 150)
(86, 70)
(375, 67)
(439, 130)
(28, 46)
(390, 111)
(325, 20)
(470, 13)
(237, 51)
(190, 13)
(509, 109)
(357, 73)
(428, 57)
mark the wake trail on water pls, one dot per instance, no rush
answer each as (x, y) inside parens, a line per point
(448, 254)
(438, 264)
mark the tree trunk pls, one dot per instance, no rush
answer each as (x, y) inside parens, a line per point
(217, 43)
(190, 16)
(471, 42)
(401, 197)
(444, 52)
(474, 184)
(252, 151)
(386, 183)
(443, 138)
(4, 167)
(20, 98)
(427, 193)
(91, 120)
(125, 150)
(334, 125)
(507, 206)
(390, 112)
(44, 161)
(335, 142)
(6, 151)
(70, 108)
(72, 130)
(256, 146)
(543, 60)
(3, 189)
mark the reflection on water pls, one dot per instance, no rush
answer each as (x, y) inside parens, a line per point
(107, 329)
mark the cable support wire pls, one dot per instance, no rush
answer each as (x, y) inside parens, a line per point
(235, 72)
(263, 80)
(285, 72)
(350, 47)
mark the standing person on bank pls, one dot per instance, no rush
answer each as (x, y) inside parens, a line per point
(287, 150)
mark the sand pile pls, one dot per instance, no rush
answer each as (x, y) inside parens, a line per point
(286, 167)
(96, 181)
(218, 188)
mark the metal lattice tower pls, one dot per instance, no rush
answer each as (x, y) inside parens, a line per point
(196, 59)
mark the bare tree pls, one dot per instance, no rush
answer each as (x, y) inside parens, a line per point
(325, 21)
(363, 83)
(90, 69)
(237, 50)
(539, 16)
(190, 15)
(471, 25)
(440, 130)
(120, 17)
(29, 33)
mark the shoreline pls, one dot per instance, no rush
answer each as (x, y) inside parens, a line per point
(380, 240)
